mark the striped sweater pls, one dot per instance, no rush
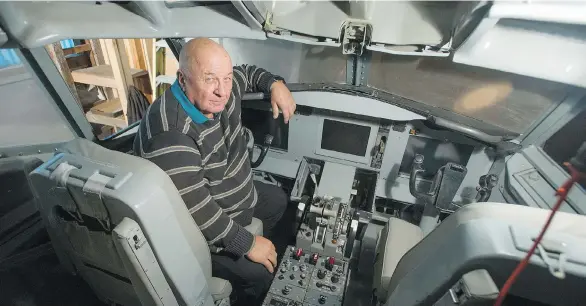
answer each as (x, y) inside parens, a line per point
(207, 159)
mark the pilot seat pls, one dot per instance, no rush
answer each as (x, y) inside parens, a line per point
(470, 254)
(119, 222)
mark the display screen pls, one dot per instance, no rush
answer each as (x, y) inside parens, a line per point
(345, 137)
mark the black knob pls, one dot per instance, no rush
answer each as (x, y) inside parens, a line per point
(301, 282)
(292, 276)
(322, 299)
(281, 276)
(319, 285)
(333, 288)
(335, 278)
(286, 290)
(321, 274)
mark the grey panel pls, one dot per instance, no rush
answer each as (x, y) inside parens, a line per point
(336, 181)
(28, 116)
(40, 23)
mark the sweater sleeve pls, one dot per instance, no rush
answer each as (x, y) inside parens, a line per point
(178, 155)
(251, 78)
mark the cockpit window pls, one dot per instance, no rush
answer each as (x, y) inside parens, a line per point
(27, 115)
(296, 62)
(506, 100)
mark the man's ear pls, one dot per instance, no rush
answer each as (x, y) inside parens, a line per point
(181, 79)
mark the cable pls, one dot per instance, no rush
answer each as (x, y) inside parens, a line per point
(561, 193)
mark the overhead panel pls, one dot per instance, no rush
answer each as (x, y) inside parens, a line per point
(394, 22)
(36, 24)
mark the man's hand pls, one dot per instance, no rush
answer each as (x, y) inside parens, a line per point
(263, 252)
(282, 99)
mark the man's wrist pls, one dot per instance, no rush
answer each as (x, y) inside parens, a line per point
(276, 80)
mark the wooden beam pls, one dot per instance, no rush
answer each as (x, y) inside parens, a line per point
(56, 54)
(77, 49)
(121, 69)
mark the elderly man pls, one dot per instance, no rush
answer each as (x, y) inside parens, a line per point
(194, 133)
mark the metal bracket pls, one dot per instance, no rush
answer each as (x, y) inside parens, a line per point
(355, 36)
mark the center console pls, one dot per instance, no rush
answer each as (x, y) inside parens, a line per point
(304, 278)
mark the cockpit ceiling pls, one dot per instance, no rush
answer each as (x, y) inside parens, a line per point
(394, 22)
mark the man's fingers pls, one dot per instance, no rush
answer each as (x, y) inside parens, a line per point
(273, 259)
(275, 109)
(286, 115)
(267, 263)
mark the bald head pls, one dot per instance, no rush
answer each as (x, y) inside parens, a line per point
(199, 50)
(205, 75)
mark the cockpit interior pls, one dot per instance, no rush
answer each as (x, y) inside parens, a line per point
(430, 143)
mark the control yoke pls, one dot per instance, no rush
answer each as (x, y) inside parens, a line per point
(249, 137)
(485, 185)
(444, 186)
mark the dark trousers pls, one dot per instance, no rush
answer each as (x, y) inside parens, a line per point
(250, 280)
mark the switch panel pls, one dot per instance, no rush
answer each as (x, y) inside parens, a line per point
(288, 291)
(274, 300)
(318, 298)
(299, 280)
(329, 276)
(295, 271)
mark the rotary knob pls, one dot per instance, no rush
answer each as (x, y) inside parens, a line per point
(284, 269)
(295, 268)
(322, 299)
(301, 282)
(303, 276)
(286, 290)
(321, 274)
(335, 278)
(292, 276)
(303, 268)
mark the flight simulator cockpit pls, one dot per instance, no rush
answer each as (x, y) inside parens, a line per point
(431, 147)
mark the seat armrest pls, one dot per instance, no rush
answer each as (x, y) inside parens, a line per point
(220, 288)
(255, 227)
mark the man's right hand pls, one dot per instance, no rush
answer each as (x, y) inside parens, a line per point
(264, 253)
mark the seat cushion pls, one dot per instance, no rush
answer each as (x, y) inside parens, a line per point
(220, 288)
(255, 227)
(395, 240)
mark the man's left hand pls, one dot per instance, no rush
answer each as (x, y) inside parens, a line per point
(281, 99)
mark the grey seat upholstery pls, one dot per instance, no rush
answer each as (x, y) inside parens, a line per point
(489, 236)
(119, 222)
(395, 239)
(255, 227)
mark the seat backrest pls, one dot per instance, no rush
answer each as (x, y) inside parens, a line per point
(120, 222)
(494, 237)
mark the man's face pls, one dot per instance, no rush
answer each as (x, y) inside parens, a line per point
(210, 83)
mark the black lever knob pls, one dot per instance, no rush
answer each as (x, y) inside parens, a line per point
(321, 274)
